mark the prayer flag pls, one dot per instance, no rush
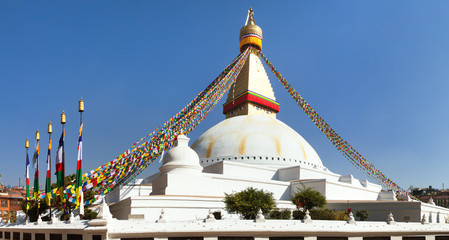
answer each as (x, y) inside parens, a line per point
(36, 172)
(27, 182)
(60, 167)
(79, 167)
(48, 180)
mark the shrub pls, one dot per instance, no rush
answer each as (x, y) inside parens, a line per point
(217, 215)
(248, 202)
(341, 215)
(89, 214)
(298, 215)
(362, 214)
(281, 214)
(307, 198)
(323, 214)
(32, 212)
(317, 214)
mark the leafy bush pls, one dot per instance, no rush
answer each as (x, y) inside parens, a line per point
(217, 215)
(362, 214)
(307, 198)
(341, 215)
(316, 214)
(32, 212)
(89, 214)
(281, 214)
(298, 214)
(323, 214)
(248, 202)
(13, 217)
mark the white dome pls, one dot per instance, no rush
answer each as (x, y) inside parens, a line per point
(255, 139)
(181, 158)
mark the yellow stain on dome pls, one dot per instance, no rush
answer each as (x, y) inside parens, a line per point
(303, 151)
(277, 145)
(210, 147)
(242, 145)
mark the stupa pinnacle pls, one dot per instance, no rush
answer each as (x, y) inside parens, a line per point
(250, 34)
(252, 93)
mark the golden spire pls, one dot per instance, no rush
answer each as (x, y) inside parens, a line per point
(81, 105)
(250, 34)
(250, 18)
(63, 117)
(252, 93)
(50, 127)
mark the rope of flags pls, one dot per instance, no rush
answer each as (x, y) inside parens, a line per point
(342, 146)
(142, 153)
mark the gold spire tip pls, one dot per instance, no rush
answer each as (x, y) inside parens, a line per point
(38, 135)
(50, 127)
(251, 20)
(27, 143)
(81, 105)
(63, 117)
(250, 33)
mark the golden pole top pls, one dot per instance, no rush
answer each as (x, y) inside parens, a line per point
(38, 135)
(63, 118)
(27, 143)
(50, 127)
(81, 105)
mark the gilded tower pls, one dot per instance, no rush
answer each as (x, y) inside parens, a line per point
(252, 93)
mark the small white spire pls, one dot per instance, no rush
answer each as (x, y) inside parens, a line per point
(351, 219)
(307, 218)
(390, 219)
(210, 217)
(259, 217)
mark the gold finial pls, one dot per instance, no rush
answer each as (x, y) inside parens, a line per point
(27, 143)
(38, 135)
(50, 127)
(251, 17)
(63, 119)
(81, 105)
(250, 34)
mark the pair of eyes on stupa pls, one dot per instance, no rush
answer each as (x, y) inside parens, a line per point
(260, 108)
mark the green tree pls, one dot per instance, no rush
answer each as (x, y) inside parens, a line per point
(89, 214)
(32, 212)
(307, 199)
(323, 214)
(281, 214)
(362, 214)
(88, 195)
(248, 202)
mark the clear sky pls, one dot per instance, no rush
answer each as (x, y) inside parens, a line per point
(376, 71)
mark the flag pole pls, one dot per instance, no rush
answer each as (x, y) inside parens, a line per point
(27, 196)
(36, 174)
(63, 122)
(81, 110)
(48, 178)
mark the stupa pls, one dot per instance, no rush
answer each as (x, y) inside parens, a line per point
(249, 148)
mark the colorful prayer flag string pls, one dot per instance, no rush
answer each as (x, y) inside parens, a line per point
(133, 161)
(342, 146)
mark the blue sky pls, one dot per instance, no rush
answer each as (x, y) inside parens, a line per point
(376, 71)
